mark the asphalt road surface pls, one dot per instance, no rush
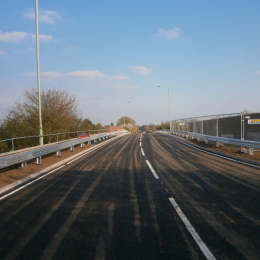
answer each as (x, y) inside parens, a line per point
(111, 204)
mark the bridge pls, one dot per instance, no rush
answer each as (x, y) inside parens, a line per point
(132, 196)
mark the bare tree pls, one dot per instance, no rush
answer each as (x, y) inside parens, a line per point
(125, 120)
(59, 113)
(128, 123)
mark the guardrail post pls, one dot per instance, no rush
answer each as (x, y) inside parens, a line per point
(217, 128)
(251, 151)
(72, 148)
(243, 149)
(39, 160)
(24, 165)
(12, 144)
(58, 153)
(242, 126)
(82, 145)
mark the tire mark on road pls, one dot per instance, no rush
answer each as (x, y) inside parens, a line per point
(50, 251)
(16, 250)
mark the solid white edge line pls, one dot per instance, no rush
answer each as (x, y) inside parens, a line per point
(203, 247)
(142, 151)
(218, 155)
(29, 183)
(54, 170)
(152, 170)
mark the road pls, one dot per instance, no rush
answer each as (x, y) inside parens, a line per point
(109, 205)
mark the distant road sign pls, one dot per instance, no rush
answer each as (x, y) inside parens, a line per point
(254, 121)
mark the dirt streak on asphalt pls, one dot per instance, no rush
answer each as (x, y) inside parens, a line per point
(219, 197)
(107, 205)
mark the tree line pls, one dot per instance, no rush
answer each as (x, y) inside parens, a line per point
(59, 114)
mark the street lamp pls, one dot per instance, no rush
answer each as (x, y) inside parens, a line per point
(38, 71)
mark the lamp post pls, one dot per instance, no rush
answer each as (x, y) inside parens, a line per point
(38, 71)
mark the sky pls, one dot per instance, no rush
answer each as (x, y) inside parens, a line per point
(124, 57)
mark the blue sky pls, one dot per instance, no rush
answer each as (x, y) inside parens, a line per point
(111, 55)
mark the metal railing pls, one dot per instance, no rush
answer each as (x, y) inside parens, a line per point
(37, 153)
(14, 143)
(251, 145)
(224, 140)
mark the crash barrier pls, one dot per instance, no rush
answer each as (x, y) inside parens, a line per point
(24, 142)
(38, 153)
(250, 145)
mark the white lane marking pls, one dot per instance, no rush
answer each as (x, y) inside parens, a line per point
(27, 184)
(142, 151)
(218, 155)
(140, 144)
(152, 170)
(205, 250)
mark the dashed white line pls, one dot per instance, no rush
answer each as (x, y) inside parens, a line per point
(140, 144)
(142, 151)
(152, 170)
(203, 247)
(205, 250)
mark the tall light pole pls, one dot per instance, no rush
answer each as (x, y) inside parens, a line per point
(38, 71)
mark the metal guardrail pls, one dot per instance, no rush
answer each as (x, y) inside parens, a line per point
(237, 142)
(225, 140)
(11, 141)
(37, 153)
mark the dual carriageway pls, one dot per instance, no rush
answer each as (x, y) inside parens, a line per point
(154, 199)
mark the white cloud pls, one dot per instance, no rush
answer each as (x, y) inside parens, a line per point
(126, 86)
(119, 77)
(45, 75)
(44, 37)
(51, 75)
(2, 52)
(13, 37)
(169, 34)
(92, 74)
(45, 16)
(89, 74)
(141, 70)
(17, 37)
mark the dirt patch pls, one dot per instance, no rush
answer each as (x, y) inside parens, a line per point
(228, 149)
(17, 172)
